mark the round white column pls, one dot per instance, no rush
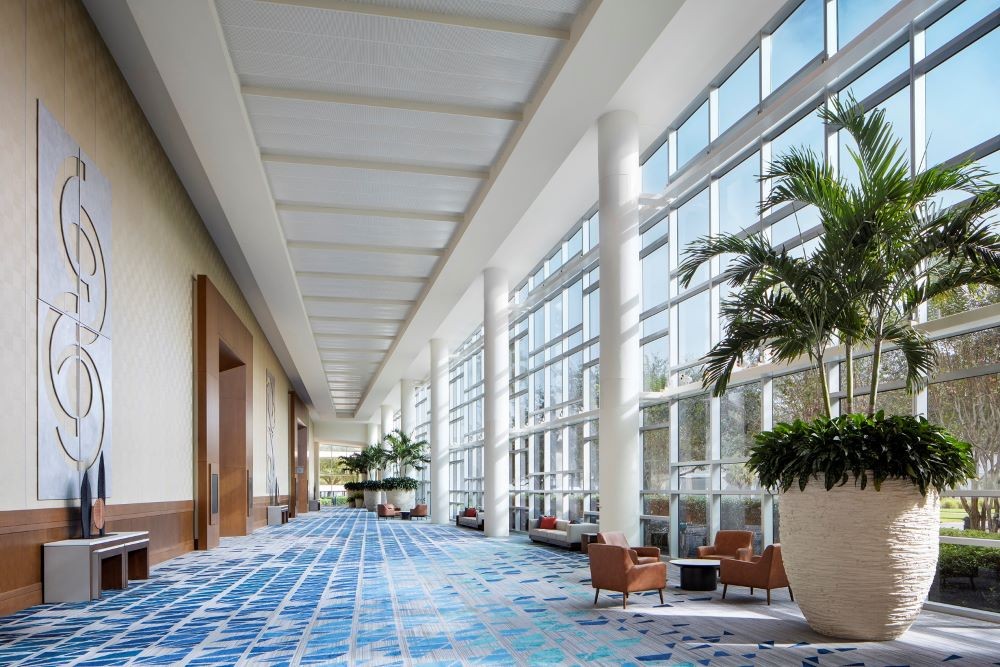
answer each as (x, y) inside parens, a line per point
(372, 433)
(619, 476)
(439, 432)
(407, 406)
(496, 403)
(387, 414)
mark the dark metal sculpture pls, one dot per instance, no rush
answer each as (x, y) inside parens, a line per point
(85, 516)
(101, 491)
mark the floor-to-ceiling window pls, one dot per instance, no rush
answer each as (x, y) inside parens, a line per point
(422, 431)
(465, 424)
(553, 334)
(933, 77)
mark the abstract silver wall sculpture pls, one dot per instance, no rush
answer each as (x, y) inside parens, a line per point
(74, 314)
(272, 424)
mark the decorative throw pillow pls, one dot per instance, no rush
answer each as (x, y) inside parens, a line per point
(470, 512)
(547, 522)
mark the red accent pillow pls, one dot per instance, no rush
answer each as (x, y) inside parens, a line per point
(470, 512)
(547, 522)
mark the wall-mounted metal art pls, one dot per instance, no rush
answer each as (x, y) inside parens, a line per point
(272, 425)
(74, 313)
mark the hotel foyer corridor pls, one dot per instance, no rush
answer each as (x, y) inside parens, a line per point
(340, 587)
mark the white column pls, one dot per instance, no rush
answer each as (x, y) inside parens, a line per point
(496, 403)
(387, 413)
(407, 406)
(439, 432)
(372, 433)
(620, 366)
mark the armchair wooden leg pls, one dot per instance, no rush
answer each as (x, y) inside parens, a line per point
(596, 593)
(790, 594)
(725, 587)
(768, 596)
(660, 591)
(624, 600)
(751, 590)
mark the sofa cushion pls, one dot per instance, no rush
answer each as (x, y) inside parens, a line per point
(547, 523)
(562, 525)
(470, 511)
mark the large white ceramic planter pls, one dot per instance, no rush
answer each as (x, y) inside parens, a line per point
(860, 563)
(402, 500)
(372, 499)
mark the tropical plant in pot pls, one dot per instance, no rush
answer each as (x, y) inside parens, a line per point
(354, 491)
(371, 461)
(859, 493)
(403, 454)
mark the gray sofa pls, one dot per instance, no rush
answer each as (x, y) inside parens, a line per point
(471, 521)
(565, 534)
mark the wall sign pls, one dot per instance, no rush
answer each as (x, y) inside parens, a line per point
(74, 314)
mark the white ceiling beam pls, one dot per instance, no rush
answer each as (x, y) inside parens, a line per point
(339, 336)
(357, 247)
(385, 103)
(430, 170)
(359, 320)
(295, 207)
(431, 17)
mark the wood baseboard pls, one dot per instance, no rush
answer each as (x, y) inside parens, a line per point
(23, 532)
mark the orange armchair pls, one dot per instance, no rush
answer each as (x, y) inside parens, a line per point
(612, 569)
(386, 511)
(419, 512)
(640, 555)
(766, 571)
(729, 544)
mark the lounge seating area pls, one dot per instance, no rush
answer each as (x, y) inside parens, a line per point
(471, 518)
(613, 568)
(559, 532)
(729, 545)
(766, 571)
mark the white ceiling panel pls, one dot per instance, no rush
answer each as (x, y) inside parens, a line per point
(366, 230)
(356, 327)
(360, 309)
(557, 14)
(328, 342)
(317, 285)
(350, 177)
(362, 263)
(373, 194)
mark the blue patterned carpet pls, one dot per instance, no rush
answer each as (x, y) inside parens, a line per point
(338, 587)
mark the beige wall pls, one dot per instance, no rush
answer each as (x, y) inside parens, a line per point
(49, 49)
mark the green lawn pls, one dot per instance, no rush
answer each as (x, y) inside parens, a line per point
(952, 515)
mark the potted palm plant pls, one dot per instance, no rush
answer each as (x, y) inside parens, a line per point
(371, 461)
(859, 493)
(403, 453)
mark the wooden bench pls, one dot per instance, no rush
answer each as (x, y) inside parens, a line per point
(277, 515)
(78, 570)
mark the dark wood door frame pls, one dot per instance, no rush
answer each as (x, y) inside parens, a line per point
(222, 345)
(298, 457)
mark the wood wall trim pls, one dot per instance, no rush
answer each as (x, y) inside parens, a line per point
(23, 532)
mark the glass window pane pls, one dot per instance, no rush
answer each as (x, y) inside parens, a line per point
(654, 365)
(978, 348)
(740, 92)
(656, 533)
(593, 314)
(656, 460)
(739, 196)
(970, 410)
(692, 518)
(796, 41)
(897, 113)
(654, 277)
(693, 223)
(738, 477)
(657, 231)
(796, 396)
(743, 513)
(799, 222)
(555, 317)
(654, 171)
(963, 94)
(692, 135)
(656, 414)
(882, 73)
(654, 323)
(694, 328)
(694, 427)
(956, 21)
(575, 296)
(806, 133)
(739, 420)
(853, 16)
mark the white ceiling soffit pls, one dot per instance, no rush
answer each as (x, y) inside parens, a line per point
(617, 36)
(346, 143)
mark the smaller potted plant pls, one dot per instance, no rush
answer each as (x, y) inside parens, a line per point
(352, 489)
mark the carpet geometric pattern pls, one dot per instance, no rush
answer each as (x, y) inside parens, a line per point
(338, 587)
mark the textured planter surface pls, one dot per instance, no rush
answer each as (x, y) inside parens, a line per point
(403, 500)
(372, 499)
(860, 562)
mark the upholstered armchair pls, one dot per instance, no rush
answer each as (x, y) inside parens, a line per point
(386, 511)
(612, 569)
(729, 544)
(640, 555)
(766, 571)
(419, 512)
